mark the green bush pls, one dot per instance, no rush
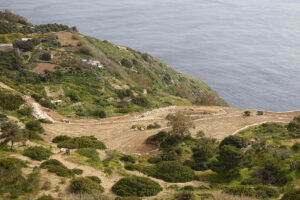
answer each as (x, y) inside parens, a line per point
(82, 142)
(260, 112)
(82, 185)
(136, 186)
(265, 192)
(34, 125)
(77, 171)
(153, 126)
(154, 159)
(90, 153)
(26, 111)
(173, 171)
(157, 139)
(251, 181)
(185, 195)
(128, 158)
(3, 117)
(170, 155)
(96, 179)
(296, 146)
(129, 166)
(37, 153)
(240, 190)
(10, 101)
(128, 198)
(46, 197)
(57, 167)
(247, 113)
(234, 140)
(291, 195)
(46, 56)
(60, 138)
(126, 63)
(141, 101)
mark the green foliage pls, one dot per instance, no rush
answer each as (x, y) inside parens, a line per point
(157, 139)
(264, 192)
(291, 195)
(169, 155)
(60, 138)
(10, 101)
(46, 197)
(77, 171)
(46, 56)
(154, 159)
(90, 153)
(37, 153)
(241, 190)
(202, 152)
(96, 179)
(26, 111)
(180, 123)
(260, 112)
(294, 126)
(128, 158)
(296, 147)
(82, 185)
(185, 195)
(10, 133)
(234, 140)
(141, 101)
(228, 162)
(82, 142)
(126, 63)
(247, 113)
(57, 167)
(34, 125)
(172, 171)
(153, 126)
(136, 186)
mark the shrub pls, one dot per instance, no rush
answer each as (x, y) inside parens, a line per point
(46, 197)
(260, 112)
(99, 113)
(57, 167)
(46, 56)
(240, 190)
(169, 155)
(82, 142)
(157, 139)
(60, 138)
(265, 192)
(153, 126)
(128, 158)
(251, 181)
(77, 171)
(136, 186)
(189, 188)
(24, 45)
(90, 153)
(3, 117)
(154, 159)
(34, 125)
(126, 63)
(46, 185)
(37, 153)
(26, 111)
(141, 101)
(130, 166)
(234, 140)
(185, 195)
(291, 195)
(128, 198)
(85, 185)
(85, 50)
(95, 179)
(9, 101)
(247, 113)
(173, 171)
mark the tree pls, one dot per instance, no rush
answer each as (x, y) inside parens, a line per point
(205, 149)
(11, 133)
(228, 162)
(180, 124)
(234, 140)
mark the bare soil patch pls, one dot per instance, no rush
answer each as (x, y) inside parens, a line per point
(41, 67)
(66, 39)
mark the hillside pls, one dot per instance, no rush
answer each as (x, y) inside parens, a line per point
(162, 134)
(84, 76)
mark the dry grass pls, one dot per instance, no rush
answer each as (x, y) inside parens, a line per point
(223, 196)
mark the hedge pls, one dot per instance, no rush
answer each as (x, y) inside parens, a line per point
(82, 142)
(37, 153)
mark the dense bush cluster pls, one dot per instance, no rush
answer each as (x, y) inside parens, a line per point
(57, 167)
(37, 153)
(136, 186)
(128, 158)
(83, 185)
(10, 101)
(60, 138)
(90, 153)
(261, 192)
(82, 142)
(157, 139)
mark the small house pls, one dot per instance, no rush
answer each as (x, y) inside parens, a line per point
(56, 102)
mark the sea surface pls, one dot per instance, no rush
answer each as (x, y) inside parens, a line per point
(246, 50)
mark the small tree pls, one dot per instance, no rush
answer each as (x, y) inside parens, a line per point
(11, 133)
(180, 124)
(247, 113)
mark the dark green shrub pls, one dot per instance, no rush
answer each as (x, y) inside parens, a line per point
(260, 112)
(3, 117)
(265, 192)
(154, 159)
(95, 179)
(296, 146)
(128, 158)
(189, 188)
(37, 153)
(46, 197)
(141, 101)
(90, 153)
(77, 171)
(24, 45)
(136, 186)
(130, 166)
(153, 126)
(234, 140)
(185, 195)
(240, 190)
(9, 101)
(82, 185)
(34, 125)
(251, 181)
(247, 113)
(26, 111)
(60, 138)
(46, 56)
(169, 155)
(157, 139)
(170, 142)
(128, 198)
(126, 63)
(82, 142)
(57, 167)
(173, 171)
(99, 113)
(291, 195)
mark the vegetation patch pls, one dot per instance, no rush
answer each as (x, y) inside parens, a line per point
(57, 167)
(82, 142)
(37, 153)
(83, 185)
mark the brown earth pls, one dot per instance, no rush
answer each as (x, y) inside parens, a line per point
(41, 67)
(66, 38)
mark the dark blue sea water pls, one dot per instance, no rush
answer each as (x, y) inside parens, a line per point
(247, 50)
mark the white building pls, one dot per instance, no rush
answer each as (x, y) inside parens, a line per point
(26, 39)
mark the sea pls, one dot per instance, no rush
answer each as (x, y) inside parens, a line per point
(246, 50)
